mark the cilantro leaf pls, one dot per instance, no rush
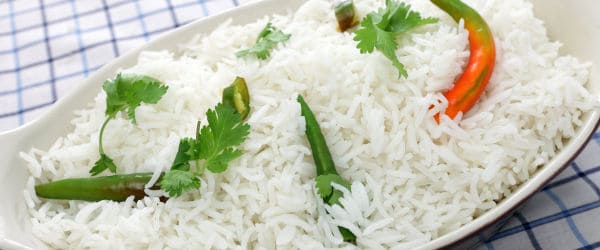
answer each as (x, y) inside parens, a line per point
(379, 30)
(326, 191)
(184, 155)
(102, 164)
(127, 91)
(176, 181)
(225, 129)
(403, 19)
(218, 163)
(267, 39)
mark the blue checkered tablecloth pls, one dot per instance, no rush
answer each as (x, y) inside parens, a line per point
(47, 47)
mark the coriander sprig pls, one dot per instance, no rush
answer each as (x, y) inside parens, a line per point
(214, 143)
(379, 30)
(267, 39)
(125, 93)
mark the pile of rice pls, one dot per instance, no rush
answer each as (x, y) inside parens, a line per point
(412, 179)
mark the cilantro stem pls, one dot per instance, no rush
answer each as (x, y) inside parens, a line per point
(199, 168)
(100, 147)
(198, 125)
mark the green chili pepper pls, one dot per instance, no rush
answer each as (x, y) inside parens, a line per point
(114, 187)
(326, 172)
(346, 15)
(236, 96)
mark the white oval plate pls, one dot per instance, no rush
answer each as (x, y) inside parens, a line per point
(574, 23)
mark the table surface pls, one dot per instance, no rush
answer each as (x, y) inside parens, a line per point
(48, 47)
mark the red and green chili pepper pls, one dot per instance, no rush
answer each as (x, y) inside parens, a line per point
(471, 84)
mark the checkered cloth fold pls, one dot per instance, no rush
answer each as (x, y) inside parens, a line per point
(47, 47)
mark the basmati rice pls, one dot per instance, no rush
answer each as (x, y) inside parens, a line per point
(413, 180)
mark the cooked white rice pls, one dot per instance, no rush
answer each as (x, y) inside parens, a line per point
(413, 180)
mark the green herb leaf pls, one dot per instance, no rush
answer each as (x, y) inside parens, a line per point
(219, 162)
(102, 164)
(184, 155)
(347, 235)
(176, 181)
(326, 191)
(403, 19)
(267, 39)
(127, 91)
(379, 30)
(224, 131)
